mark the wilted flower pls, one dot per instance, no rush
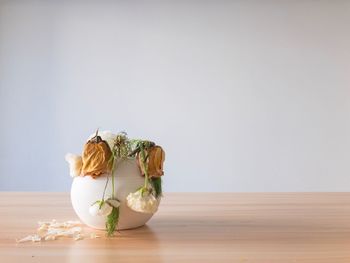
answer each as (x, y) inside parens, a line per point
(154, 161)
(75, 164)
(143, 200)
(97, 157)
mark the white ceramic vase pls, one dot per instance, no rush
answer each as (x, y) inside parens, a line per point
(86, 190)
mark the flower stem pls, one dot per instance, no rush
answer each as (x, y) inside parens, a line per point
(146, 180)
(112, 174)
(104, 190)
(144, 164)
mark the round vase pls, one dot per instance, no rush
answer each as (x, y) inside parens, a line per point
(86, 190)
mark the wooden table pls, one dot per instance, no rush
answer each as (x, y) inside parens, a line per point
(192, 227)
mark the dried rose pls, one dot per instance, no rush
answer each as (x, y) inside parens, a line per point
(97, 157)
(155, 157)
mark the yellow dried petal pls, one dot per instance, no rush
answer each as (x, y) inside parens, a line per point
(96, 158)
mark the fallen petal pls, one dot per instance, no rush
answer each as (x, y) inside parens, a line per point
(78, 237)
(94, 235)
(50, 237)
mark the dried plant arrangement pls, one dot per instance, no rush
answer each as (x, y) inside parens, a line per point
(104, 157)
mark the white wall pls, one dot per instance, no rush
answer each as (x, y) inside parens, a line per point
(243, 95)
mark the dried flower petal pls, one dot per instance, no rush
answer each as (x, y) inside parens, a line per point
(94, 235)
(33, 238)
(75, 164)
(42, 229)
(51, 230)
(50, 237)
(78, 237)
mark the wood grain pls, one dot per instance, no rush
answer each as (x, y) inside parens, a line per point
(192, 227)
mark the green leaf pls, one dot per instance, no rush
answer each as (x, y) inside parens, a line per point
(112, 221)
(157, 185)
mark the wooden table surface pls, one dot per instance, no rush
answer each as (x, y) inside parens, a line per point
(191, 227)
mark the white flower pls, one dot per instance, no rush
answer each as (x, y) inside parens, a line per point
(107, 136)
(94, 209)
(142, 201)
(75, 164)
(100, 210)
